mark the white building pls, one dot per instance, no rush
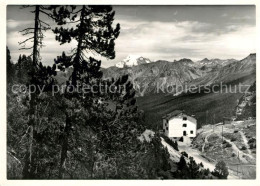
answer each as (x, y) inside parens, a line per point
(177, 124)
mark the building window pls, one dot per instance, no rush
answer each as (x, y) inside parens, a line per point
(166, 128)
(163, 130)
(184, 125)
(191, 131)
(184, 118)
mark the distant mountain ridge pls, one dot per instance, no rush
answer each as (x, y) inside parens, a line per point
(184, 71)
(160, 72)
(213, 62)
(132, 60)
(147, 76)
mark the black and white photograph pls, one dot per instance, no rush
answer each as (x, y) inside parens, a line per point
(130, 92)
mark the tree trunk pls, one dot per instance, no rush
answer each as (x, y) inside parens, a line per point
(79, 49)
(35, 37)
(28, 172)
(64, 147)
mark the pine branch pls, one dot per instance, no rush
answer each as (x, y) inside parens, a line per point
(26, 6)
(43, 7)
(44, 28)
(24, 48)
(26, 29)
(49, 15)
(45, 23)
(25, 40)
(76, 11)
(24, 34)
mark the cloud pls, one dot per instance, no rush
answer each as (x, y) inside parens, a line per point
(175, 40)
(224, 15)
(246, 17)
(157, 40)
(48, 52)
(13, 24)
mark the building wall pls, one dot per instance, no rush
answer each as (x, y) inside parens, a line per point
(175, 126)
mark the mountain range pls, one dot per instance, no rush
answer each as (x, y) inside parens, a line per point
(207, 107)
(147, 76)
(215, 62)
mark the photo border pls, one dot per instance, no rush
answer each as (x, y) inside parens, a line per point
(3, 126)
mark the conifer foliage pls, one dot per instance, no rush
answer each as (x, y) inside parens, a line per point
(78, 134)
(93, 33)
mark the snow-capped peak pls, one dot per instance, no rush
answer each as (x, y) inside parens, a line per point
(132, 60)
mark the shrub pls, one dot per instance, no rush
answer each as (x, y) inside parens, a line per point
(185, 154)
(190, 170)
(251, 140)
(174, 144)
(221, 170)
(252, 146)
(243, 148)
(233, 139)
(228, 145)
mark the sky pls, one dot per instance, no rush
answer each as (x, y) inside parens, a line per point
(157, 32)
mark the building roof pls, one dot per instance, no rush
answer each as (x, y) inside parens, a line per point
(179, 113)
(172, 114)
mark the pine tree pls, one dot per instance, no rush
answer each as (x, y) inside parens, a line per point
(19, 68)
(194, 168)
(182, 165)
(39, 76)
(221, 170)
(93, 33)
(190, 170)
(10, 67)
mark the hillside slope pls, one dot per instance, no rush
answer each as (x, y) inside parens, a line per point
(236, 146)
(246, 106)
(207, 107)
(160, 73)
(174, 75)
